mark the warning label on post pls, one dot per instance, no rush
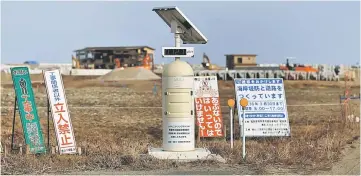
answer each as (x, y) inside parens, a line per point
(179, 133)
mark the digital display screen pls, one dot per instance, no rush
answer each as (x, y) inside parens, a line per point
(175, 52)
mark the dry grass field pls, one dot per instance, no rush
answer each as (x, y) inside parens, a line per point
(113, 132)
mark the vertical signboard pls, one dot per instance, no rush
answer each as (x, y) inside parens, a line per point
(59, 109)
(27, 108)
(208, 111)
(266, 113)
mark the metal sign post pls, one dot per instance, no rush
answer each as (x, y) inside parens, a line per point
(231, 116)
(244, 136)
(13, 129)
(231, 105)
(48, 119)
(244, 103)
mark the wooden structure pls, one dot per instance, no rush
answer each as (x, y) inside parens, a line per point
(114, 57)
(234, 61)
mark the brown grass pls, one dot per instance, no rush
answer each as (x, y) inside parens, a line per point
(117, 138)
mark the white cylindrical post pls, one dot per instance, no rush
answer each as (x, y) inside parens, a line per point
(231, 119)
(244, 135)
(178, 103)
(178, 107)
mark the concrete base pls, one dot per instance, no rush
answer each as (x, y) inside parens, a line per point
(188, 156)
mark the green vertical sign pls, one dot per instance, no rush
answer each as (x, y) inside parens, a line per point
(27, 109)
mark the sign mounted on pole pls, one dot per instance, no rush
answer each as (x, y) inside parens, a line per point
(177, 51)
(27, 108)
(208, 111)
(266, 112)
(59, 108)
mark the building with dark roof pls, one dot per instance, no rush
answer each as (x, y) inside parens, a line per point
(234, 61)
(113, 57)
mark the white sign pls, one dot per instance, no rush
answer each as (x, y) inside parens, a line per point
(266, 113)
(59, 108)
(180, 134)
(178, 51)
(205, 86)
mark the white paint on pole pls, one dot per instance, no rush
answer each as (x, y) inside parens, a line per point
(231, 117)
(59, 108)
(243, 136)
(267, 109)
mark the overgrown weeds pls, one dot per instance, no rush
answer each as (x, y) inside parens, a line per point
(117, 139)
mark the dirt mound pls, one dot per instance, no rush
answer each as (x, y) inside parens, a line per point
(129, 74)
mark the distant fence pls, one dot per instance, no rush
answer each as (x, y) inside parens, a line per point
(160, 107)
(327, 73)
(37, 69)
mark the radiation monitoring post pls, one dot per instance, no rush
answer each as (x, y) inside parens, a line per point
(266, 113)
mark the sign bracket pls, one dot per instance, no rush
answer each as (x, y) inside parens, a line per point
(16, 108)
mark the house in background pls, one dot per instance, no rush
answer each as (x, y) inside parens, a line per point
(114, 57)
(234, 61)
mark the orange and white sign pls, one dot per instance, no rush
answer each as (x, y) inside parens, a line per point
(59, 108)
(208, 109)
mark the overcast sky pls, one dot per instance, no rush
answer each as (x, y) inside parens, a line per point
(312, 32)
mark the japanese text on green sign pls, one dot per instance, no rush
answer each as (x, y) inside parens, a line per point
(27, 108)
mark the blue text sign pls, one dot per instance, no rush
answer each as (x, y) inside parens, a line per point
(266, 113)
